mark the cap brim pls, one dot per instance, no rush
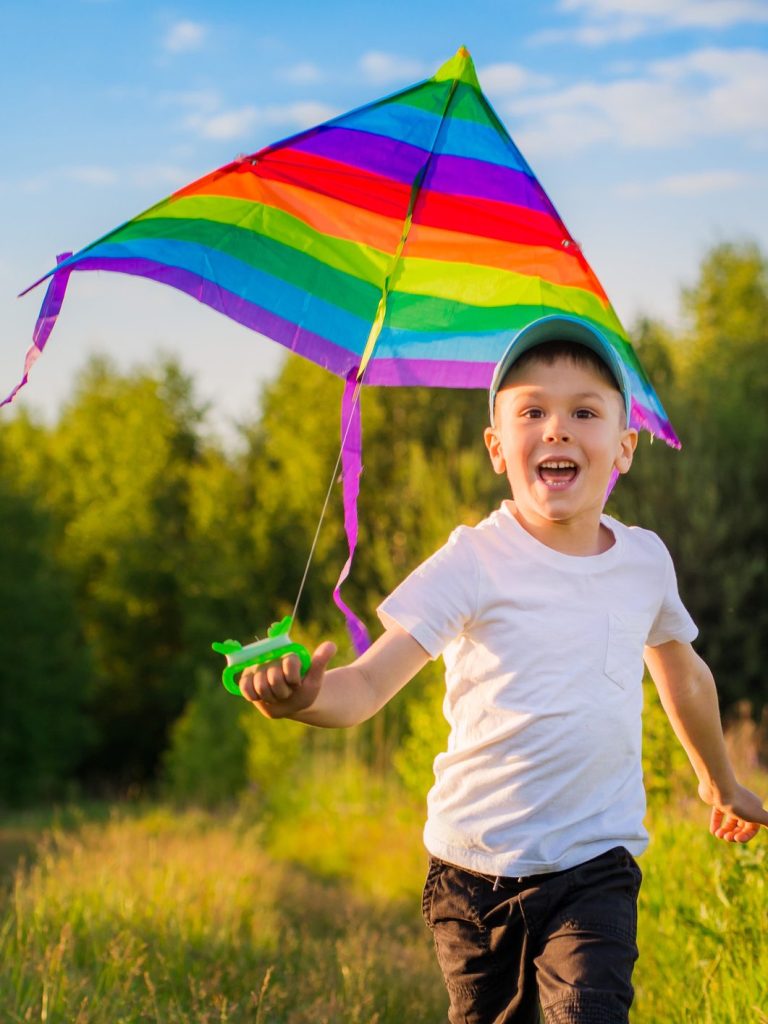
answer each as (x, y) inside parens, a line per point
(561, 328)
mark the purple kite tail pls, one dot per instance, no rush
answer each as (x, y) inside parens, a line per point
(351, 468)
(49, 311)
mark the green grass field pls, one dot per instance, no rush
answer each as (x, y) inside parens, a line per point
(151, 915)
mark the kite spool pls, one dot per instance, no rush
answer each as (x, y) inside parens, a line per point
(277, 645)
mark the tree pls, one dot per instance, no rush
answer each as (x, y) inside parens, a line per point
(44, 668)
(122, 451)
(707, 501)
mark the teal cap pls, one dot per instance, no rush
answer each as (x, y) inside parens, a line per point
(561, 328)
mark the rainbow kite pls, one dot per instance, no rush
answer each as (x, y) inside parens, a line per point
(403, 243)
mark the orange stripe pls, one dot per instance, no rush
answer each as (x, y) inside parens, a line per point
(330, 216)
(557, 266)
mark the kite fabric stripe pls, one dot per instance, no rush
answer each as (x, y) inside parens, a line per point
(403, 243)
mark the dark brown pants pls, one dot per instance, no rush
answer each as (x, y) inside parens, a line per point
(563, 941)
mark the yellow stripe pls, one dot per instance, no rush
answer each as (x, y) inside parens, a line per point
(489, 286)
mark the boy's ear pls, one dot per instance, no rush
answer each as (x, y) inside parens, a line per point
(627, 446)
(493, 444)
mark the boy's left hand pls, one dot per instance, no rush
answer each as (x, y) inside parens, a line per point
(738, 819)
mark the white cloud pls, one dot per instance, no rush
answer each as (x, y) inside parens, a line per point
(709, 93)
(226, 124)
(184, 36)
(92, 174)
(304, 73)
(160, 175)
(696, 184)
(166, 176)
(607, 21)
(680, 13)
(236, 124)
(200, 100)
(379, 67)
(503, 79)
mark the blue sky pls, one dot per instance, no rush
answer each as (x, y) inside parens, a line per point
(645, 120)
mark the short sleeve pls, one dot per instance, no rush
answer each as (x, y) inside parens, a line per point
(673, 621)
(437, 601)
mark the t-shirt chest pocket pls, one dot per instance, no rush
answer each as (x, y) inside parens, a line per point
(627, 633)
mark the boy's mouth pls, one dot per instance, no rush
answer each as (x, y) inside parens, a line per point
(557, 473)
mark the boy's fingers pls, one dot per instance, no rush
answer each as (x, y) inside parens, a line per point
(321, 656)
(278, 688)
(248, 684)
(292, 670)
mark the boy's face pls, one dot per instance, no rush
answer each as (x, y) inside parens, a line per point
(558, 437)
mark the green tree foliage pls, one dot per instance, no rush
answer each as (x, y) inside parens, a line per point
(206, 761)
(123, 448)
(707, 501)
(43, 667)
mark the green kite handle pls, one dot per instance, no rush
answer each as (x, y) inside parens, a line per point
(277, 645)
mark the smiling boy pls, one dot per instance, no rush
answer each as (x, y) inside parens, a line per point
(543, 614)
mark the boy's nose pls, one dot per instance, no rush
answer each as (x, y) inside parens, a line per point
(556, 430)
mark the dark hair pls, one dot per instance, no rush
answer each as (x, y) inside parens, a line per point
(548, 352)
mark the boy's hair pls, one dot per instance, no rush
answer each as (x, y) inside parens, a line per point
(548, 352)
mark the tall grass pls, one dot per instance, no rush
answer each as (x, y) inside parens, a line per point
(312, 916)
(185, 918)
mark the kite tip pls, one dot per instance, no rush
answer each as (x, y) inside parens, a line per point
(460, 68)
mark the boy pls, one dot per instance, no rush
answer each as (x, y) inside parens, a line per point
(543, 614)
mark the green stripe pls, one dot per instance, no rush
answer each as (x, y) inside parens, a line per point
(430, 97)
(427, 96)
(360, 261)
(265, 254)
(478, 285)
(414, 312)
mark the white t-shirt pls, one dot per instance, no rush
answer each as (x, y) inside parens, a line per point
(544, 662)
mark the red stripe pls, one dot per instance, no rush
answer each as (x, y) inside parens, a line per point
(490, 218)
(352, 185)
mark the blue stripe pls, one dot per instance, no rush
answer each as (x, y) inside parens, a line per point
(397, 343)
(273, 294)
(417, 127)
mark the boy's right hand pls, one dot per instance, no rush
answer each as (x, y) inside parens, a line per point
(277, 689)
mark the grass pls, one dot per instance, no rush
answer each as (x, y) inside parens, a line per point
(151, 915)
(163, 917)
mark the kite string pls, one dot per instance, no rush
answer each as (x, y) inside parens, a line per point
(353, 623)
(329, 492)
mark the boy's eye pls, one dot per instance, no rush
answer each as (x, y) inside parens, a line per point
(533, 414)
(585, 414)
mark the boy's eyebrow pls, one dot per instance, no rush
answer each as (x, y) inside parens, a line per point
(580, 396)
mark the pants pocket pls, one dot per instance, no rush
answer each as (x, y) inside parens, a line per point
(433, 872)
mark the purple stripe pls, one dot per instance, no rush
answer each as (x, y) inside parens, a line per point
(389, 157)
(352, 467)
(314, 346)
(451, 175)
(457, 175)
(429, 373)
(644, 418)
(46, 320)
(320, 350)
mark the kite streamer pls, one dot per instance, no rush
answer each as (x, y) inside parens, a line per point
(403, 243)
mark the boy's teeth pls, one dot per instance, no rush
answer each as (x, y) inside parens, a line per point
(558, 472)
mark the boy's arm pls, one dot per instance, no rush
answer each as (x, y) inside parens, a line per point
(342, 696)
(689, 697)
